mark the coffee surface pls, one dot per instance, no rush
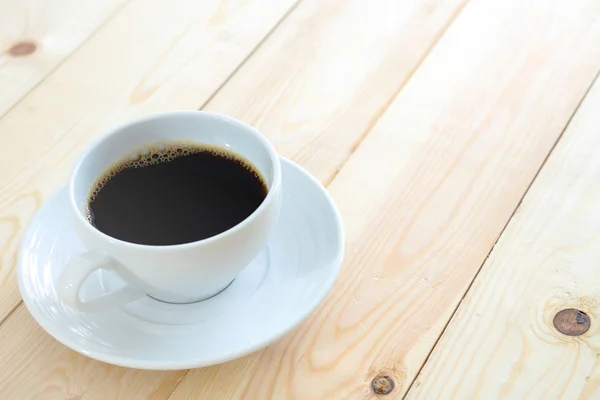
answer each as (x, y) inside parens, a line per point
(174, 194)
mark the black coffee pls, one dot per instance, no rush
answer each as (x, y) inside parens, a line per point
(176, 194)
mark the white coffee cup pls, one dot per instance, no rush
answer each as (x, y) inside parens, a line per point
(181, 273)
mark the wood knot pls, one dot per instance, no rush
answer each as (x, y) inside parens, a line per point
(382, 385)
(572, 322)
(22, 49)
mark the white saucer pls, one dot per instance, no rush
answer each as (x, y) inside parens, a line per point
(286, 282)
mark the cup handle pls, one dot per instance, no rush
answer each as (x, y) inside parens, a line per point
(78, 269)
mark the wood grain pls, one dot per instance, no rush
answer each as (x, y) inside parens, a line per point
(179, 53)
(320, 83)
(501, 343)
(416, 23)
(64, 374)
(424, 198)
(37, 35)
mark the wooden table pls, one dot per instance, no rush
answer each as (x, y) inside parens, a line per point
(459, 138)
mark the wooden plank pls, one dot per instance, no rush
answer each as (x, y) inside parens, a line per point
(177, 56)
(37, 35)
(424, 198)
(502, 343)
(413, 27)
(64, 374)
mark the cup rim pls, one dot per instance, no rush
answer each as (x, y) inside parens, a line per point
(273, 190)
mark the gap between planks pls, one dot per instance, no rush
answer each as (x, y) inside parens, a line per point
(251, 53)
(499, 236)
(11, 312)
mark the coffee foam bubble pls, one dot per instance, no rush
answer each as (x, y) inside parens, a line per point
(160, 153)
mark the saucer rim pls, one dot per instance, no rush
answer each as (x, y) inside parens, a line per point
(199, 362)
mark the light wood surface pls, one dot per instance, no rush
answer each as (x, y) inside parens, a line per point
(319, 84)
(428, 121)
(37, 35)
(502, 343)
